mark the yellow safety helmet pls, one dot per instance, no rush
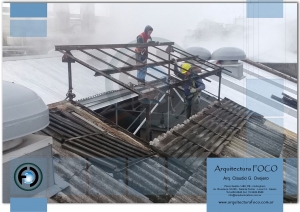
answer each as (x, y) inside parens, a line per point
(185, 67)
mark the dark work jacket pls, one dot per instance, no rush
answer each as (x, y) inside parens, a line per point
(195, 83)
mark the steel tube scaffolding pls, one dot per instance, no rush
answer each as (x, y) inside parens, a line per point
(70, 81)
(136, 67)
(166, 63)
(124, 72)
(139, 127)
(108, 46)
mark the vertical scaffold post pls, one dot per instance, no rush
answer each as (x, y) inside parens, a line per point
(148, 122)
(116, 114)
(169, 74)
(220, 77)
(69, 60)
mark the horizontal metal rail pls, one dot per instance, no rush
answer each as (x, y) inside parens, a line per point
(169, 76)
(108, 46)
(171, 68)
(200, 76)
(178, 94)
(196, 57)
(158, 69)
(103, 74)
(135, 118)
(136, 67)
(271, 70)
(124, 72)
(137, 129)
(204, 62)
(162, 80)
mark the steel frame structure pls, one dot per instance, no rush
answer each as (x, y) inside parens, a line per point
(69, 58)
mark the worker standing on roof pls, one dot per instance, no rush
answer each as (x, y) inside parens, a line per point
(142, 53)
(192, 88)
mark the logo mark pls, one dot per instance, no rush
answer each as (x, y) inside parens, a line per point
(28, 176)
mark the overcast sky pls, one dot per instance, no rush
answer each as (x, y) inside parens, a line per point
(175, 21)
(178, 21)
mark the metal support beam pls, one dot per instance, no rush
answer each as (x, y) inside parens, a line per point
(156, 68)
(178, 94)
(106, 109)
(103, 74)
(124, 72)
(220, 78)
(139, 127)
(135, 118)
(116, 113)
(162, 80)
(204, 62)
(132, 103)
(70, 95)
(148, 122)
(205, 91)
(170, 59)
(108, 46)
(201, 76)
(136, 67)
(195, 56)
(169, 74)
(181, 59)
(137, 107)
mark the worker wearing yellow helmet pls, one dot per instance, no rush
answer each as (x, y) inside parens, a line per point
(192, 87)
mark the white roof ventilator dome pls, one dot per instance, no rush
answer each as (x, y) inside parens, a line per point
(199, 51)
(24, 113)
(228, 53)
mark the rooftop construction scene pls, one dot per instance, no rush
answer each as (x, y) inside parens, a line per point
(111, 113)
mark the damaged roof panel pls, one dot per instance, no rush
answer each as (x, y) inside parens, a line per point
(88, 183)
(204, 133)
(230, 130)
(174, 169)
(108, 155)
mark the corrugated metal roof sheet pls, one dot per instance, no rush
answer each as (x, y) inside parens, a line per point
(111, 97)
(88, 183)
(129, 162)
(229, 130)
(248, 93)
(48, 77)
(69, 119)
(155, 177)
(193, 190)
(174, 170)
(92, 143)
(204, 133)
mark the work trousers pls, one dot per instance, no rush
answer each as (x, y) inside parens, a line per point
(141, 73)
(192, 106)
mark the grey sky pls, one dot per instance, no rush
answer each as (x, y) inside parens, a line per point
(177, 21)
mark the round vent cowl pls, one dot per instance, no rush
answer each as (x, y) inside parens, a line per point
(24, 112)
(201, 52)
(228, 53)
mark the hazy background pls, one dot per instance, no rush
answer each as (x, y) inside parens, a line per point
(209, 25)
